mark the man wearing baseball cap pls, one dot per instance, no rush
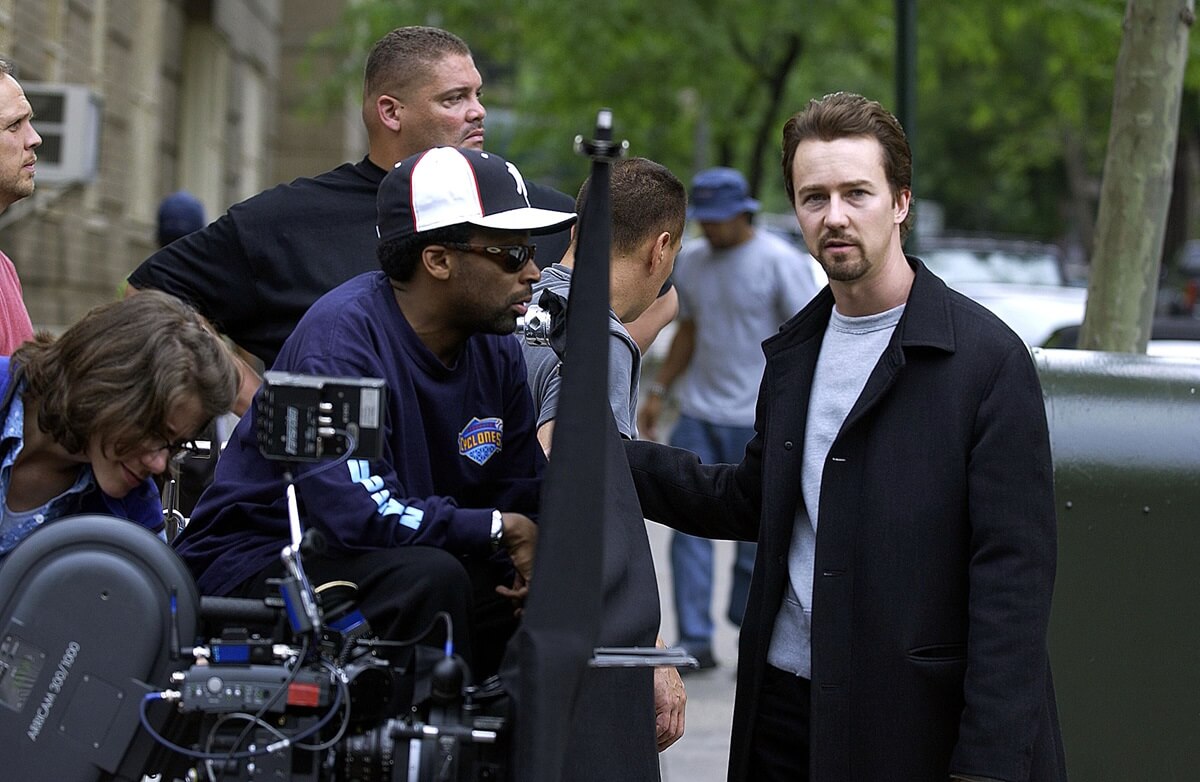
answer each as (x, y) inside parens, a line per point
(735, 289)
(441, 521)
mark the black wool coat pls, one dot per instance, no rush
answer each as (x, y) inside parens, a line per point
(935, 552)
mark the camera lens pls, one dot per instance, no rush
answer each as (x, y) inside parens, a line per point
(367, 757)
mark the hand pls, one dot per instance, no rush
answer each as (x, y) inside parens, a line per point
(520, 539)
(669, 702)
(649, 409)
(516, 594)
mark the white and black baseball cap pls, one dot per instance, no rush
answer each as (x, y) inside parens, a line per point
(447, 186)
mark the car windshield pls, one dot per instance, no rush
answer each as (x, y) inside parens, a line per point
(958, 265)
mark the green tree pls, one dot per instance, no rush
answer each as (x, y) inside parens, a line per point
(691, 84)
(1013, 98)
(1013, 104)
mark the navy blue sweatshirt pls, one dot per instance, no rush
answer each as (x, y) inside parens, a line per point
(458, 443)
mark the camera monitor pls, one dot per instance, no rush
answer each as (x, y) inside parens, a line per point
(306, 418)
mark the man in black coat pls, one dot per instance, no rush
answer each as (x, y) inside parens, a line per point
(903, 637)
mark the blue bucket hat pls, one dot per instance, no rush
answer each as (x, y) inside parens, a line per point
(719, 194)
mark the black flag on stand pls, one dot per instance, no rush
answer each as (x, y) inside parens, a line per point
(562, 613)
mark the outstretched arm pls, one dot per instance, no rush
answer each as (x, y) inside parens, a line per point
(678, 357)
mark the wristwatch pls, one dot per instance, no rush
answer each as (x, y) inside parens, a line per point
(654, 388)
(497, 533)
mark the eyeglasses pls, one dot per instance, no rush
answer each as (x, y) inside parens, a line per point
(511, 257)
(181, 449)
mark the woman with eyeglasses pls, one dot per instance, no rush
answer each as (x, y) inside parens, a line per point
(87, 418)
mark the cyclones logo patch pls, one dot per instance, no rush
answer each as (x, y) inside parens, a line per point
(481, 439)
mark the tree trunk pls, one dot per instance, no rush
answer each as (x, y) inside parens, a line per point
(1138, 170)
(776, 81)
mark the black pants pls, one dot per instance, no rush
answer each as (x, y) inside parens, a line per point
(780, 746)
(401, 590)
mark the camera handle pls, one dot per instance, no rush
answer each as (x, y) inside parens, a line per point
(298, 595)
(173, 519)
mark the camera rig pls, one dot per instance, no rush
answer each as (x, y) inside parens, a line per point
(112, 667)
(95, 684)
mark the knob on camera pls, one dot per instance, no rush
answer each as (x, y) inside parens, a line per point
(534, 326)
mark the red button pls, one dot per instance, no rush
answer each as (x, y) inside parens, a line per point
(300, 694)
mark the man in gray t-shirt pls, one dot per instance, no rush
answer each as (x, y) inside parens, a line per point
(735, 289)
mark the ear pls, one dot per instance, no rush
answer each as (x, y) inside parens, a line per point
(903, 201)
(436, 262)
(388, 110)
(659, 251)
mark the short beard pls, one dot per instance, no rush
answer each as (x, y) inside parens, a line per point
(502, 326)
(848, 270)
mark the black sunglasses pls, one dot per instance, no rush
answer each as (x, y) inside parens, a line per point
(511, 257)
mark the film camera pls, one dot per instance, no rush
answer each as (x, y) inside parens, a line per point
(112, 667)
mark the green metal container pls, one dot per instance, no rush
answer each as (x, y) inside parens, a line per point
(1125, 627)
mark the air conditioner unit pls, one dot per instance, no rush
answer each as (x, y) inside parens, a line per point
(67, 116)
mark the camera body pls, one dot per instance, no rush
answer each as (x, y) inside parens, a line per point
(401, 712)
(99, 680)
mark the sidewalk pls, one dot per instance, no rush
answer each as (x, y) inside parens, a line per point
(703, 752)
(702, 755)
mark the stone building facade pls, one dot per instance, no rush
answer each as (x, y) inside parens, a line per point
(188, 99)
(311, 141)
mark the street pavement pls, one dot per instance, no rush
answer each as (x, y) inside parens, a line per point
(702, 755)
(703, 752)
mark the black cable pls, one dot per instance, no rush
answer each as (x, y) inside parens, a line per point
(341, 704)
(344, 688)
(421, 636)
(292, 674)
(351, 444)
